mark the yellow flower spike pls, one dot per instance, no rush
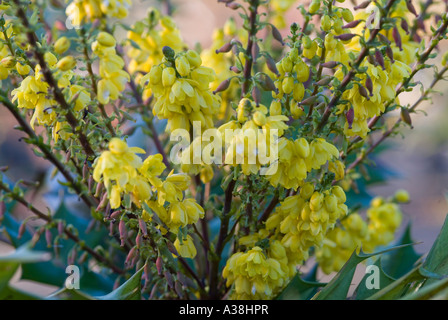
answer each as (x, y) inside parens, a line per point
(66, 63)
(62, 45)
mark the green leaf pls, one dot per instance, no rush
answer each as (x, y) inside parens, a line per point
(11, 293)
(338, 287)
(362, 292)
(398, 288)
(11, 262)
(437, 260)
(69, 294)
(430, 291)
(397, 263)
(301, 288)
(130, 290)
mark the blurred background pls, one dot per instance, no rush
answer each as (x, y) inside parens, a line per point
(418, 160)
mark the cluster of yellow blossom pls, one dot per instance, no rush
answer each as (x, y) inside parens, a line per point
(299, 223)
(298, 157)
(33, 94)
(113, 77)
(221, 63)
(123, 172)
(181, 88)
(383, 219)
(253, 136)
(293, 72)
(383, 74)
(147, 41)
(9, 60)
(255, 275)
(80, 11)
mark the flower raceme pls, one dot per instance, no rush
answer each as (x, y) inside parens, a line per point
(122, 171)
(181, 88)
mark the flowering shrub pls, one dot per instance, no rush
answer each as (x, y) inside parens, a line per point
(276, 134)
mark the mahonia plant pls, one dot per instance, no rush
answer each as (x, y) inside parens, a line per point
(277, 122)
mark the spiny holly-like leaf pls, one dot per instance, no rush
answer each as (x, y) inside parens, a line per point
(437, 260)
(338, 287)
(398, 288)
(301, 288)
(363, 291)
(438, 289)
(69, 294)
(130, 290)
(397, 263)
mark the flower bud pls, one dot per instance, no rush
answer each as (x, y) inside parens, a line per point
(314, 6)
(159, 265)
(329, 64)
(225, 48)
(296, 110)
(235, 69)
(345, 36)
(259, 118)
(194, 58)
(277, 35)
(268, 84)
(182, 66)
(402, 196)
(411, 7)
(397, 38)
(168, 76)
(48, 238)
(155, 75)
(105, 39)
(288, 85)
(275, 108)
(369, 85)
(122, 231)
(326, 23)
(168, 52)
(404, 26)
(256, 95)
(270, 63)
(363, 92)
(362, 5)
(66, 63)
(222, 86)
(351, 24)
(405, 116)
(349, 116)
(62, 45)
(287, 64)
(390, 53)
(142, 226)
(298, 91)
(379, 58)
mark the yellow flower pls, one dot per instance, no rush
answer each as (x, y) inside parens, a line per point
(186, 249)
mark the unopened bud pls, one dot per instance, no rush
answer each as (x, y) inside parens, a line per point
(235, 69)
(178, 289)
(369, 85)
(351, 24)
(169, 279)
(142, 226)
(270, 63)
(22, 229)
(363, 92)
(48, 237)
(171, 248)
(256, 95)
(102, 203)
(159, 265)
(168, 52)
(406, 117)
(62, 45)
(379, 58)
(411, 7)
(390, 54)
(362, 5)
(66, 63)
(105, 39)
(8, 62)
(61, 228)
(350, 116)
(225, 48)
(346, 36)
(222, 86)
(397, 38)
(309, 100)
(325, 81)
(277, 35)
(255, 51)
(131, 255)
(268, 84)
(232, 5)
(404, 26)
(122, 231)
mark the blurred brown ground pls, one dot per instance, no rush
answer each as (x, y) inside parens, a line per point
(421, 158)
